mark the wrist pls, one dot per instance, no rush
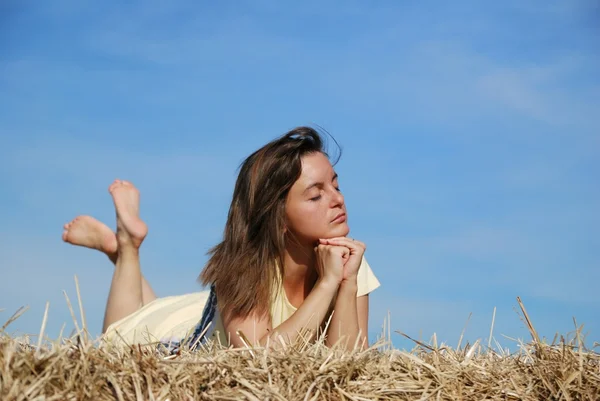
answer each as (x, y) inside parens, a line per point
(328, 284)
(350, 279)
(349, 284)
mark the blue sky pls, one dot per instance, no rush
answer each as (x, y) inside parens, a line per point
(469, 132)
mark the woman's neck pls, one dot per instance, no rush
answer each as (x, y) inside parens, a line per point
(299, 268)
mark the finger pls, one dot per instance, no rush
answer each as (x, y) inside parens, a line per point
(343, 252)
(340, 250)
(334, 239)
(343, 241)
(347, 242)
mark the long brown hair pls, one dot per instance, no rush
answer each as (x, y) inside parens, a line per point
(243, 267)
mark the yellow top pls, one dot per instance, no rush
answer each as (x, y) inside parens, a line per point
(282, 309)
(175, 317)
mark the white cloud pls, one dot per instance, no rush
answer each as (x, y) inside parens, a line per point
(544, 92)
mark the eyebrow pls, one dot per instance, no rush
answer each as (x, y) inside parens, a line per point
(319, 184)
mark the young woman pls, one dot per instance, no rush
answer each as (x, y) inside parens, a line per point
(285, 264)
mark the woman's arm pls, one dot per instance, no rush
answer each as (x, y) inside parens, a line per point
(350, 318)
(351, 314)
(308, 316)
(344, 324)
(363, 318)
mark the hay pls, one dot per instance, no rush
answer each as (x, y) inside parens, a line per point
(80, 369)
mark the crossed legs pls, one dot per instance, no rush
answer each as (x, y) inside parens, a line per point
(129, 290)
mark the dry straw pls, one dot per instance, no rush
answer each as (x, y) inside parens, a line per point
(78, 368)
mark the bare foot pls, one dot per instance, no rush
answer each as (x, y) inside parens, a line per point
(88, 232)
(131, 230)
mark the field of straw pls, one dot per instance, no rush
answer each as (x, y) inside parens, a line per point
(80, 369)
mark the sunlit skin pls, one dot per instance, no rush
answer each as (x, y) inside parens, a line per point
(315, 210)
(315, 206)
(316, 215)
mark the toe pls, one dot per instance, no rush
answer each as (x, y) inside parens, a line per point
(113, 185)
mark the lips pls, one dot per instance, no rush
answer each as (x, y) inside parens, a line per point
(340, 218)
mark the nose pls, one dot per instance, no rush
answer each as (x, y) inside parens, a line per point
(337, 199)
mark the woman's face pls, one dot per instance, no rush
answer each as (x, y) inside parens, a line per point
(315, 207)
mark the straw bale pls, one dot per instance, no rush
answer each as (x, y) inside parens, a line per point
(78, 368)
(82, 370)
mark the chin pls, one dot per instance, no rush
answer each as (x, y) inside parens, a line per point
(340, 231)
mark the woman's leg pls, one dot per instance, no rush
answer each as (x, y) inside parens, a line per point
(125, 296)
(90, 233)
